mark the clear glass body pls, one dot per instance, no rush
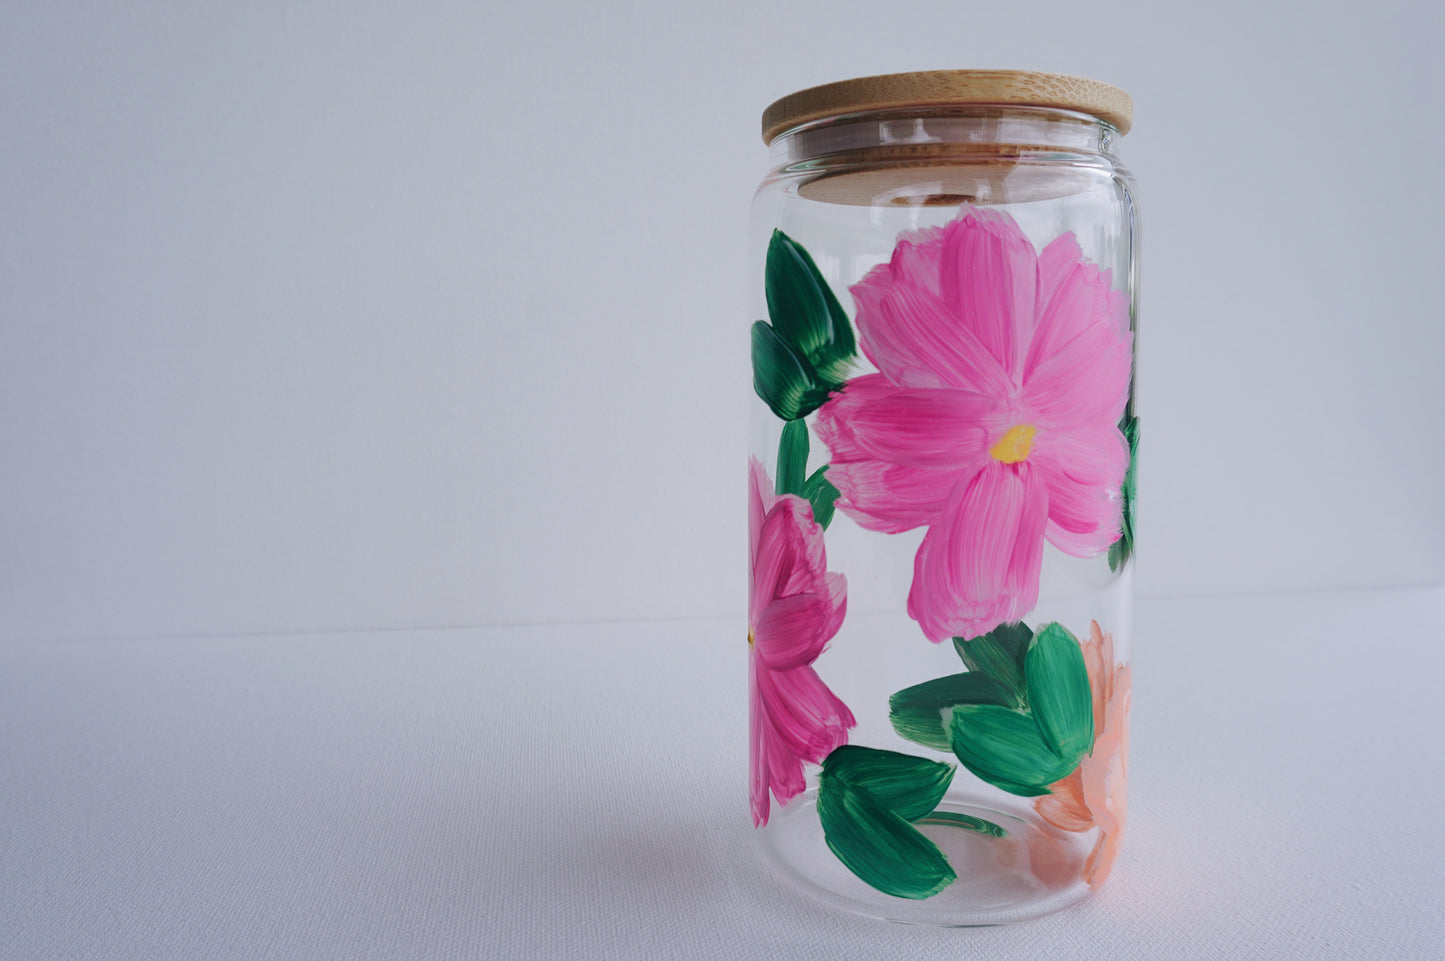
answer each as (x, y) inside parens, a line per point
(943, 436)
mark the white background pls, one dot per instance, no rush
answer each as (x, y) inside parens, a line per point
(339, 321)
(323, 316)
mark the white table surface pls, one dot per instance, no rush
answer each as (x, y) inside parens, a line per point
(579, 792)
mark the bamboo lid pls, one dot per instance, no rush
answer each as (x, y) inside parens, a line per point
(948, 88)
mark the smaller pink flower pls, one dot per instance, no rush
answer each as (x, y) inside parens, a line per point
(795, 606)
(1096, 794)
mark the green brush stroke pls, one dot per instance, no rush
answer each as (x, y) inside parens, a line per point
(793, 466)
(906, 785)
(1005, 748)
(792, 458)
(1023, 745)
(965, 821)
(823, 495)
(922, 713)
(785, 381)
(866, 798)
(806, 351)
(1120, 550)
(1059, 694)
(804, 311)
(1000, 655)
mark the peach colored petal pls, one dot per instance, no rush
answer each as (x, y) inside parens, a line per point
(1065, 807)
(1095, 795)
(1050, 860)
(1101, 859)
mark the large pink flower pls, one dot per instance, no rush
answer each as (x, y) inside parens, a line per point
(1096, 794)
(794, 608)
(993, 419)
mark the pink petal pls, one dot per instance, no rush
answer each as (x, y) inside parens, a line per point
(1073, 296)
(915, 339)
(794, 718)
(915, 259)
(881, 497)
(871, 419)
(1082, 470)
(792, 631)
(1079, 364)
(989, 280)
(784, 769)
(789, 557)
(979, 564)
(1056, 261)
(760, 498)
(757, 749)
(803, 713)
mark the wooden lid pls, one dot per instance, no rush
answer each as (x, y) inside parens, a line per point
(949, 88)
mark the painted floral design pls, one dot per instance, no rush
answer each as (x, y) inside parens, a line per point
(1095, 795)
(997, 420)
(795, 606)
(993, 418)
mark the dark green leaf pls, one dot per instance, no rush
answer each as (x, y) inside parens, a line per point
(1059, 695)
(1000, 655)
(1117, 553)
(792, 458)
(966, 821)
(784, 380)
(821, 492)
(804, 311)
(921, 713)
(907, 785)
(1120, 550)
(876, 844)
(1005, 748)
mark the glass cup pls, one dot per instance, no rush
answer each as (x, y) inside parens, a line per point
(941, 488)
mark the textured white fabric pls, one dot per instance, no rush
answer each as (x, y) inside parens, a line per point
(579, 792)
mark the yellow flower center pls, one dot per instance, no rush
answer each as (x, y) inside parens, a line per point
(750, 635)
(1014, 446)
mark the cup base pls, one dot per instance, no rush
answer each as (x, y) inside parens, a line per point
(1029, 871)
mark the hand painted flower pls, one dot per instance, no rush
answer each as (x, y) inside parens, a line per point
(794, 608)
(993, 419)
(1096, 794)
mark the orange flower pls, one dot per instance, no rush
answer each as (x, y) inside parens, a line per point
(1095, 794)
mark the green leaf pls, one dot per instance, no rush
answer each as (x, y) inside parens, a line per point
(823, 495)
(921, 713)
(1005, 748)
(1120, 550)
(966, 821)
(785, 381)
(874, 842)
(907, 785)
(1059, 694)
(1000, 655)
(792, 458)
(804, 311)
